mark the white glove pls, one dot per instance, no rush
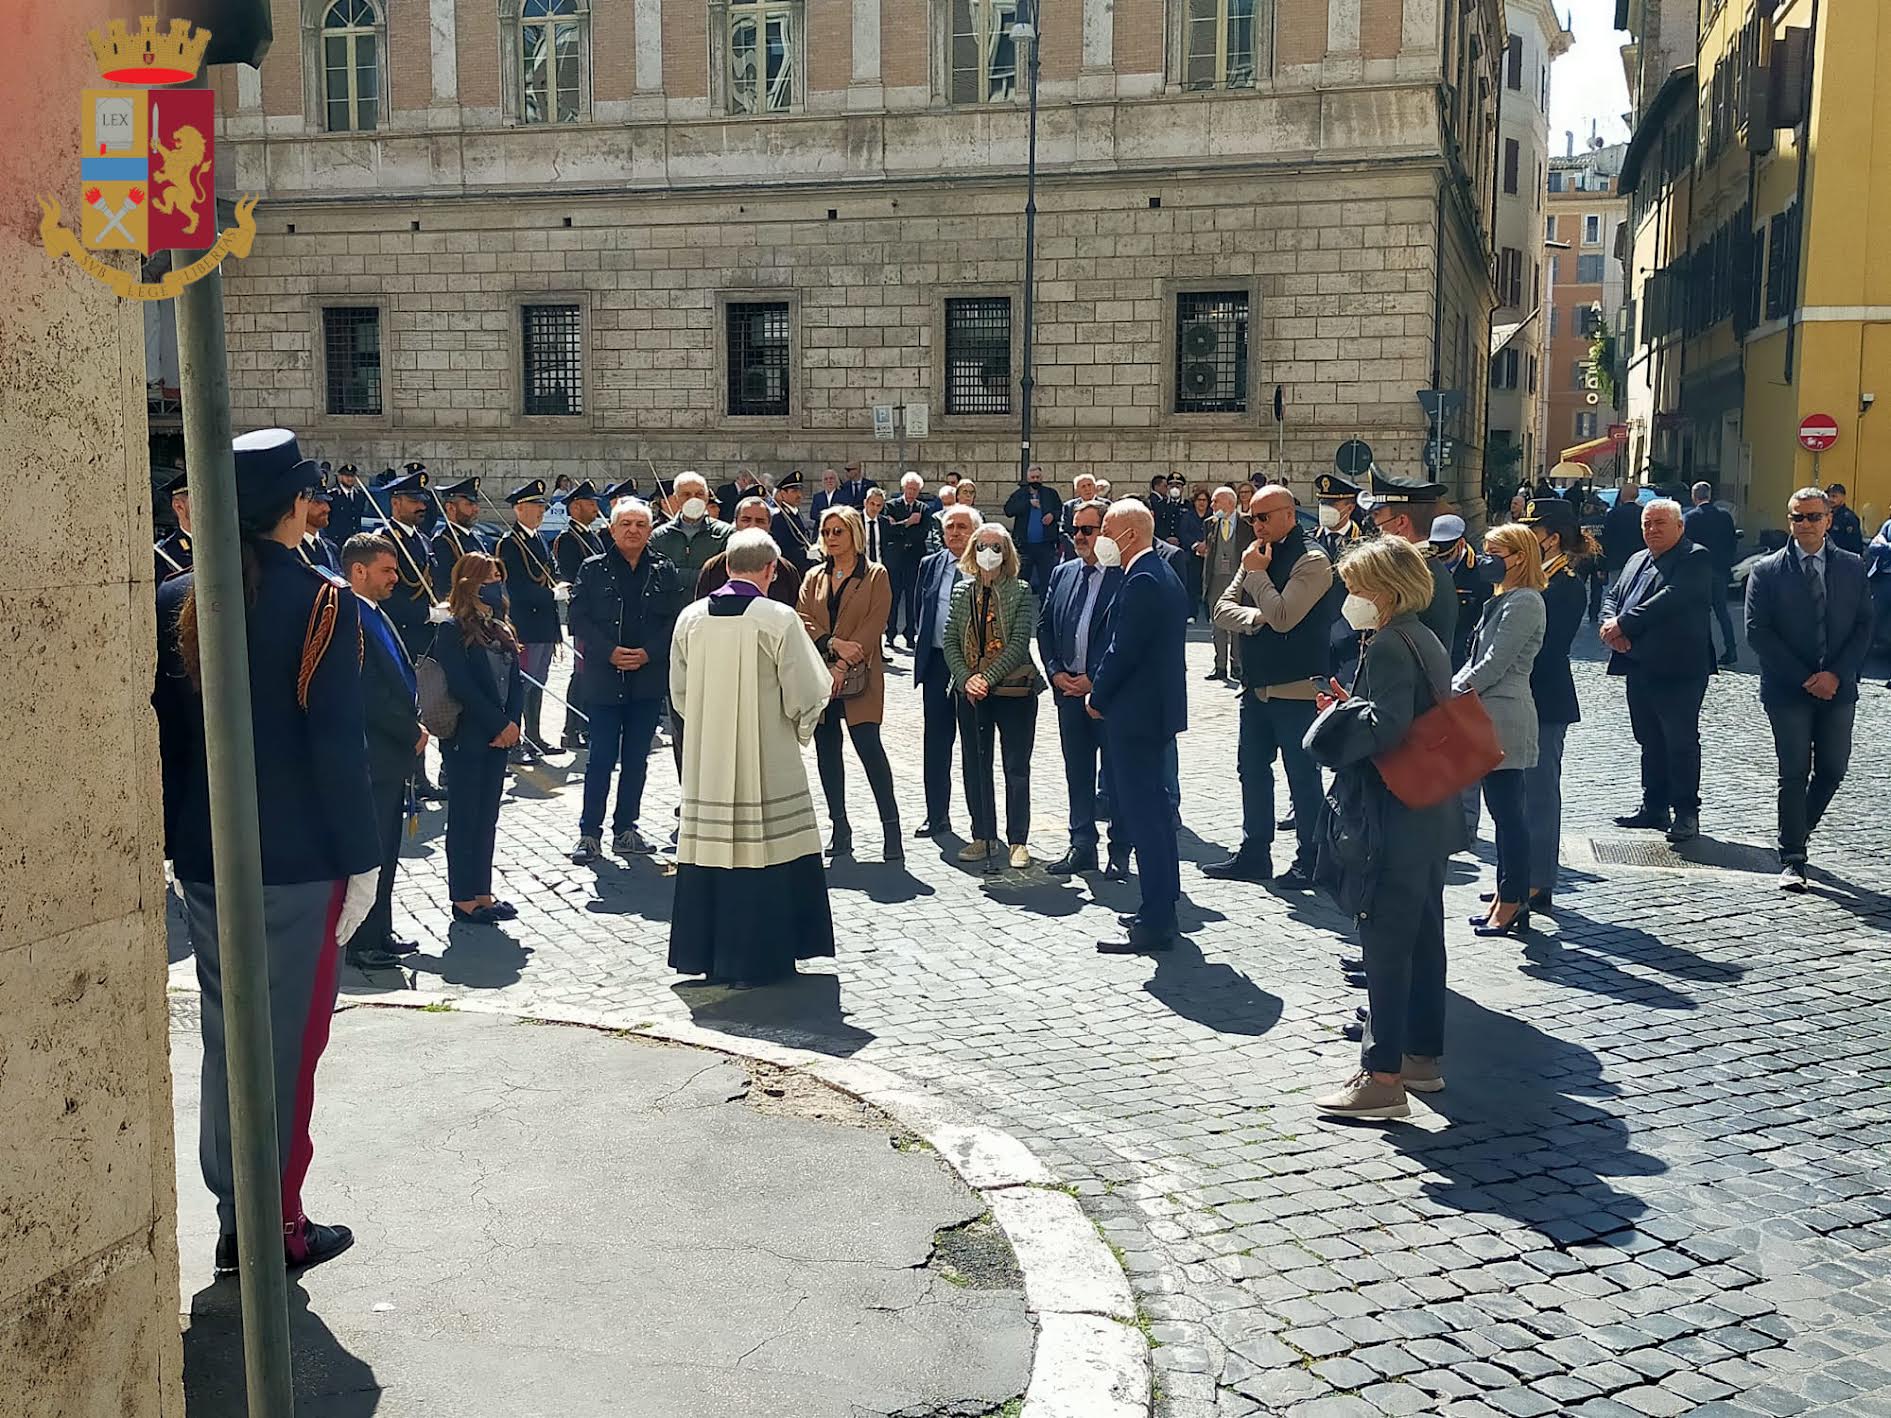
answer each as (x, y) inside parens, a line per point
(439, 614)
(561, 593)
(356, 903)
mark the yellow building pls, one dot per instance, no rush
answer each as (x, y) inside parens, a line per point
(1787, 297)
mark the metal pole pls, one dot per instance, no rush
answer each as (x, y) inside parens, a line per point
(899, 423)
(1027, 382)
(237, 863)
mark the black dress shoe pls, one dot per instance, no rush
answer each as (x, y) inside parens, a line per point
(504, 911)
(932, 829)
(1516, 925)
(372, 957)
(1142, 941)
(1687, 826)
(226, 1256)
(426, 792)
(1077, 859)
(1286, 824)
(1116, 869)
(317, 1243)
(1127, 919)
(399, 946)
(1646, 817)
(1353, 964)
(1241, 867)
(478, 916)
(1295, 878)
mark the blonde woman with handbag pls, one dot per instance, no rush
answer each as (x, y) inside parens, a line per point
(845, 601)
(995, 685)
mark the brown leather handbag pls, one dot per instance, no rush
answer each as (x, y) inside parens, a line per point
(1450, 746)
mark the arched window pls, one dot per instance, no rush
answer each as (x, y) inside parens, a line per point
(551, 60)
(351, 66)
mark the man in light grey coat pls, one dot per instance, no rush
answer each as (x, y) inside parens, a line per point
(1224, 538)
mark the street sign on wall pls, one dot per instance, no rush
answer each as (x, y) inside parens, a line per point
(1818, 432)
(918, 420)
(883, 421)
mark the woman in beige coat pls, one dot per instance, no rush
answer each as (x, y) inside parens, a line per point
(845, 601)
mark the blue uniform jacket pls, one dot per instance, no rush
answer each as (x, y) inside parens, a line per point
(451, 543)
(1141, 685)
(315, 818)
(486, 706)
(345, 512)
(415, 591)
(1780, 628)
(1063, 611)
(531, 586)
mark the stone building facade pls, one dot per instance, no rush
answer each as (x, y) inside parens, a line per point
(585, 235)
(1587, 216)
(88, 1240)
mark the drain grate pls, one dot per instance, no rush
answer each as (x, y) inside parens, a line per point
(1702, 854)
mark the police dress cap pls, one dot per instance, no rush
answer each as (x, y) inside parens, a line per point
(584, 491)
(348, 470)
(1446, 529)
(409, 484)
(465, 487)
(1553, 514)
(327, 466)
(269, 468)
(1382, 490)
(533, 491)
(1177, 480)
(627, 488)
(180, 483)
(1332, 487)
(790, 482)
(413, 466)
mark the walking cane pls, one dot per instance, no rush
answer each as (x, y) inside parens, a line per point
(982, 768)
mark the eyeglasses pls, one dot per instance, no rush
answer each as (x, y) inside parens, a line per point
(833, 531)
(1084, 531)
(1805, 516)
(1259, 516)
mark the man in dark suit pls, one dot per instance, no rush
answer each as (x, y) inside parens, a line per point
(1654, 621)
(1140, 691)
(1071, 635)
(939, 573)
(1712, 527)
(1809, 619)
(394, 736)
(907, 519)
(1621, 529)
(348, 505)
(828, 496)
(855, 487)
(316, 549)
(1033, 510)
(730, 494)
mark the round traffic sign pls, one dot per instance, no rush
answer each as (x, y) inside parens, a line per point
(1818, 432)
(1354, 458)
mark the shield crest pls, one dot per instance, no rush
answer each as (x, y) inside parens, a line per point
(147, 173)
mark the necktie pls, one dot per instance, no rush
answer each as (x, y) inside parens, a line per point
(1815, 583)
(873, 540)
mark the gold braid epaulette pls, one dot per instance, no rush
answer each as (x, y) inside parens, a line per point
(316, 641)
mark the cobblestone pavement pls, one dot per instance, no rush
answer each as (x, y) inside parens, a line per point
(1656, 1185)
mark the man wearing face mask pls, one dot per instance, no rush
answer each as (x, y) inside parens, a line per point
(1472, 576)
(939, 575)
(692, 536)
(1405, 509)
(1033, 510)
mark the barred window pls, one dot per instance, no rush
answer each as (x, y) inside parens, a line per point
(551, 54)
(764, 48)
(1211, 352)
(1225, 43)
(983, 59)
(351, 71)
(553, 345)
(978, 355)
(758, 357)
(351, 345)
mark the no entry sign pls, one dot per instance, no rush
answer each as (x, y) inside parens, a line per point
(1818, 432)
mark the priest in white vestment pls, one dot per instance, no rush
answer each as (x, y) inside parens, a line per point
(751, 893)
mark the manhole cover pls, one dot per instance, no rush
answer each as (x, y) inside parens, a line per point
(1702, 854)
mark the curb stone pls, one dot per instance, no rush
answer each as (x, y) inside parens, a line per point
(1090, 1359)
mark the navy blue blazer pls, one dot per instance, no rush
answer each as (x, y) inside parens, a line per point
(928, 662)
(486, 706)
(1140, 686)
(1063, 612)
(531, 586)
(451, 543)
(1663, 604)
(1779, 623)
(821, 501)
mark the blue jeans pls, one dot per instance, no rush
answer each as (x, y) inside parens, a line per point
(1503, 791)
(617, 730)
(1543, 795)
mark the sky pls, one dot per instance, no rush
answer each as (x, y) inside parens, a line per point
(1587, 83)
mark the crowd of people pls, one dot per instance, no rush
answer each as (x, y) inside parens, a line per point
(747, 629)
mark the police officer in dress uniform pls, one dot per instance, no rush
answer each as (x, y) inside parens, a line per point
(348, 504)
(316, 548)
(574, 546)
(1338, 499)
(460, 532)
(532, 588)
(171, 553)
(314, 820)
(411, 606)
(791, 533)
(1448, 544)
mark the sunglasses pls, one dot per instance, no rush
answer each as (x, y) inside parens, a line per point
(1806, 516)
(833, 531)
(1084, 531)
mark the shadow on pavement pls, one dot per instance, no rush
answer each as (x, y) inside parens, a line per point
(1523, 1142)
(479, 957)
(1036, 893)
(804, 1011)
(1642, 948)
(1216, 996)
(330, 1382)
(886, 883)
(1859, 900)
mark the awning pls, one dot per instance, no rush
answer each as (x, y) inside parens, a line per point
(1595, 448)
(1501, 335)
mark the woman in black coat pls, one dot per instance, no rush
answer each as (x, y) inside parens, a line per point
(479, 656)
(1386, 861)
(1568, 553)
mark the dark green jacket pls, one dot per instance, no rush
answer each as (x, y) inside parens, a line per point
(1017, 612)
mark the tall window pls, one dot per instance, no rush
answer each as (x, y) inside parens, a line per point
(351, 348)
(1591, 229)
(1513, 157)
(978, 355)
(553, 345)
(351, 69)
(983, 58)
(1513, 63)
(764, 50)
(1503, 369)
(1589, 270)
(1585, 425)
(1211, 352)
(551, 59)
(1225, 43)
(1510, 276)
(757, 332)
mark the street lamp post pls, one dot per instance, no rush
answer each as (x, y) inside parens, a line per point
(1024, 33)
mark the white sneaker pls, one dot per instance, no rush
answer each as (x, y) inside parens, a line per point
(1020, 856)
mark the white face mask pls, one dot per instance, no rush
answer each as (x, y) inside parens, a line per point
(1175, 494)
(1360, 613)
(694, 508)
(1108, 552)
(990, 558)
(1329, 516)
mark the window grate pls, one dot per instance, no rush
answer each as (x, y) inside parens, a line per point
(758, 358)
(978, 355)
(351, 343)
(553, 343)
(1211, 352)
